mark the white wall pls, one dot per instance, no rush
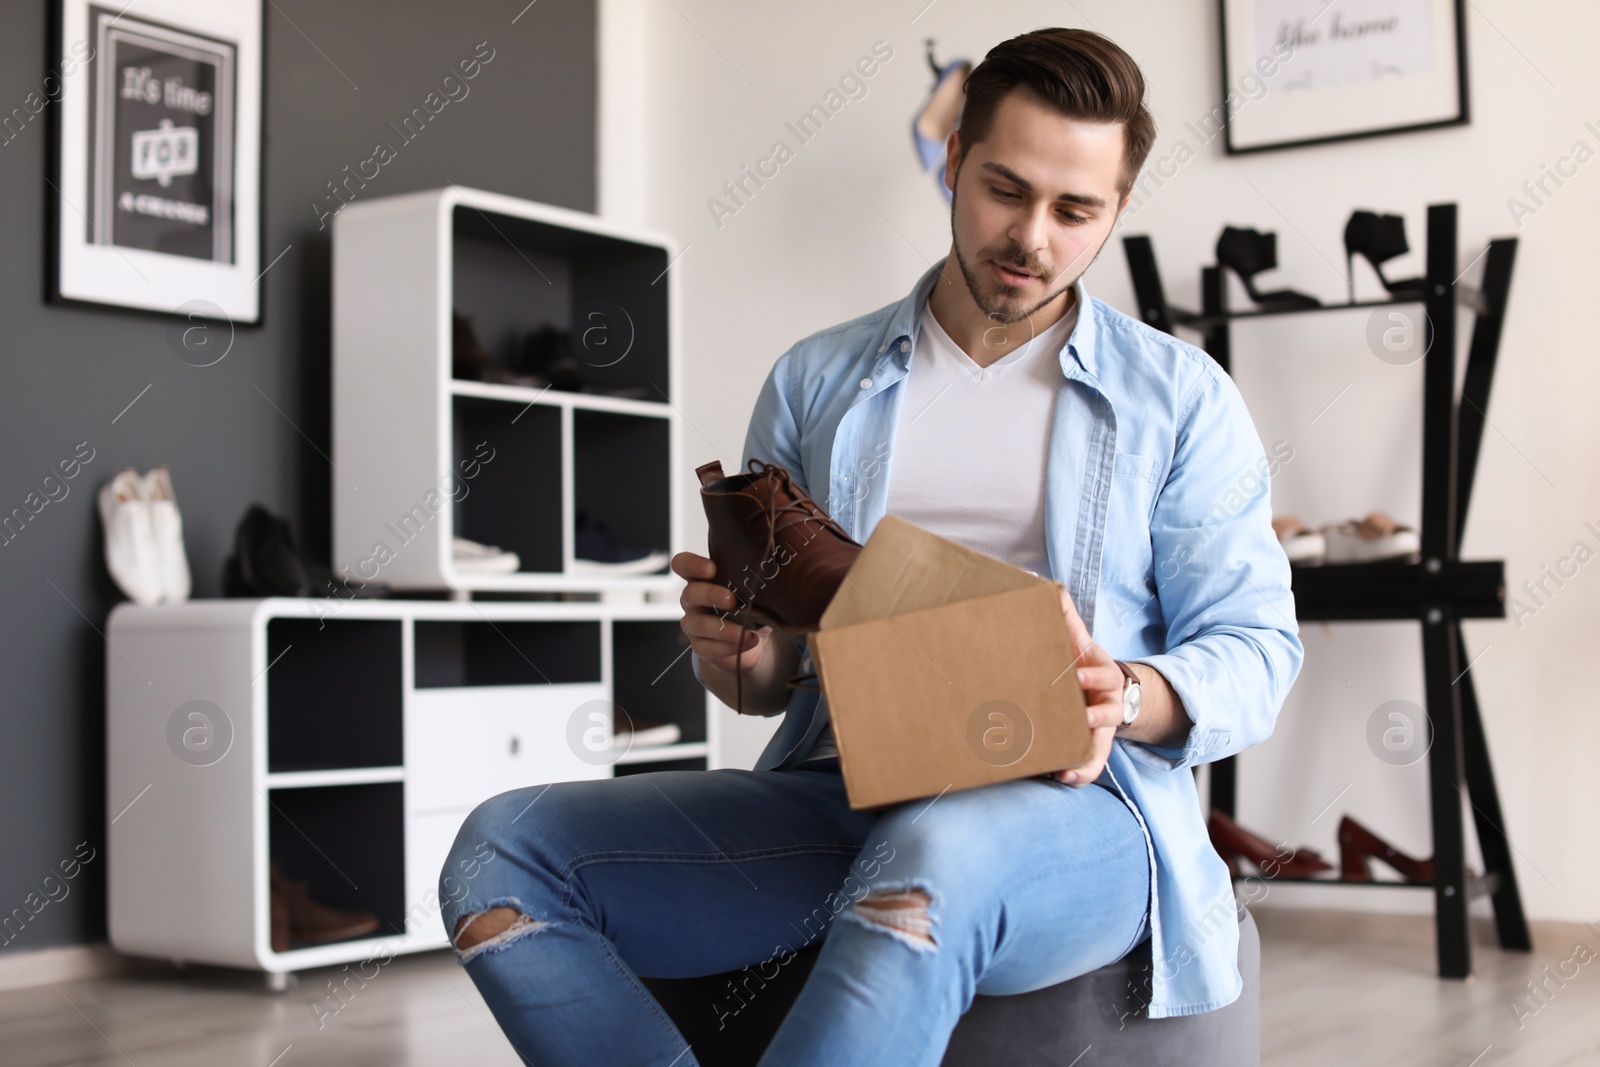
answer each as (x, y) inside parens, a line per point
(849, 222)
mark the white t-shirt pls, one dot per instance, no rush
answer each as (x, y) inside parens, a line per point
(968, 459)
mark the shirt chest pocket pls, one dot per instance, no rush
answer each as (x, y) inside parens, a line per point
(1127, 554)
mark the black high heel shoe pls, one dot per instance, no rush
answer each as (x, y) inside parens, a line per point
(1248, 253)
(1378, 239)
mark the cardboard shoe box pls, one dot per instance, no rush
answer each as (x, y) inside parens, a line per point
(945, 668)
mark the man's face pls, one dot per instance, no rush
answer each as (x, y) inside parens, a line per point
(1032, 204)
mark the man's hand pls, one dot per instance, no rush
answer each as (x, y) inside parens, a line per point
(705, 603)
(1101, 680)
(760, 687)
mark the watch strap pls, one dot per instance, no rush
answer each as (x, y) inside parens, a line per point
(1130, 679)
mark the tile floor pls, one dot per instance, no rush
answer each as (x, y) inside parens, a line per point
(1339, 988)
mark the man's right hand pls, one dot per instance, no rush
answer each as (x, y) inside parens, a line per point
(714, 638)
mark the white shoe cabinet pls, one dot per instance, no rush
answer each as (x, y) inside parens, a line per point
(346, 741)
(409, 439)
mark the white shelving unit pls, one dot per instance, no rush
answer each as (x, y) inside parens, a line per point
(347, 741)
(409, 439)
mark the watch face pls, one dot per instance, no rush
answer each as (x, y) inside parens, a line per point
(1132, 699)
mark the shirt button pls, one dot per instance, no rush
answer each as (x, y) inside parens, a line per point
(882, 347)
(904, 345)
(866, 383)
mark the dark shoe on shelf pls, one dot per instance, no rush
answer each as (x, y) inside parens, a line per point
(1233, 843)
(596, 552)
(267, 562)
(782, 556)
(1358, 845)
(547, 353)
(1378, 239)
(471, 361)
(1248, 253)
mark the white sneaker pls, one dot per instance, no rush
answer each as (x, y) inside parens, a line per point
(167, 527)
(1376, 537)
(470, 557)
(643, 565)
(645, 733)
(130, 538)
(1303, 545)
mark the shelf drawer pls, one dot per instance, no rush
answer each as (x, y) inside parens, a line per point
(466, 745)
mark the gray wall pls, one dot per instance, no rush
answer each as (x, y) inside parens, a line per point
(527, 128)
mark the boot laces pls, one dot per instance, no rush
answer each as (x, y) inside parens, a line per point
(804, 507)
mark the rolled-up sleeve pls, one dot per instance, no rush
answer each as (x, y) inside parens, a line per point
(1232, 642)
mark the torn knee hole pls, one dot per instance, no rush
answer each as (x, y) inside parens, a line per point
(490, 929)
(902, 911)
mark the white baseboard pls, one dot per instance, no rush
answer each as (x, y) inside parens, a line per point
(69, 963)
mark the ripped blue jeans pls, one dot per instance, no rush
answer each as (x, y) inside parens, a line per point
(1001, 889)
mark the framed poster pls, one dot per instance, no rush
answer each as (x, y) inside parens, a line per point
(155, 184)
(1299, 72)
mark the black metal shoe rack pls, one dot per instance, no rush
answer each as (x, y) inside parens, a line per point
(1438, 591)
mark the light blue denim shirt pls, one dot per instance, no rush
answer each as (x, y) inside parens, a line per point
(1158, 521)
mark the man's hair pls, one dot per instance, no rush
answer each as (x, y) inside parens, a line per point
(1081, 74)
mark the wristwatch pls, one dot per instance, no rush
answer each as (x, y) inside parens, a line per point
(1132, 696)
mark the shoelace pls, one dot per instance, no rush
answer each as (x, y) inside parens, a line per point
(803, 505)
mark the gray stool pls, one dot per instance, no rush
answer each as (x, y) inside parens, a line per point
(1098, 1012)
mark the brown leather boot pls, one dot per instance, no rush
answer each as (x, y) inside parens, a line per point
(782, 556)
(306, 920)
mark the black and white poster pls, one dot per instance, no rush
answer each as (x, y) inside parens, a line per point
(162, 123)
(159, 157)
(1299, 72)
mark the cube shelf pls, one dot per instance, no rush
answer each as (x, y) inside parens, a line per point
(515, 272)
(364, 827)
(345, 742)
(654, 679)
(425, 455)
(335, 696)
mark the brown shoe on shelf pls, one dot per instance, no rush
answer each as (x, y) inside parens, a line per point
(1233, 843)
(296, 917)
(774, 547)
(1358, 846)
(280, 919)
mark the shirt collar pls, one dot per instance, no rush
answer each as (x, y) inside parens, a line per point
(902, 325)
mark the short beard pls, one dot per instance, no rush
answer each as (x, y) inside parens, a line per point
(994, 308)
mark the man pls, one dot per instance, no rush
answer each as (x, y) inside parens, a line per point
(999, 406)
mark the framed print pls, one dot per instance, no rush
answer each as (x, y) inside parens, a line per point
(155, 185)
(1299, 72)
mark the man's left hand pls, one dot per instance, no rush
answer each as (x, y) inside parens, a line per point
(1101, 680)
